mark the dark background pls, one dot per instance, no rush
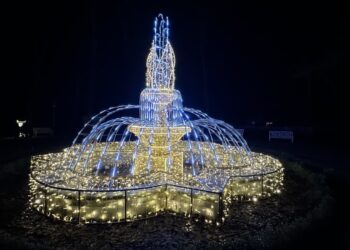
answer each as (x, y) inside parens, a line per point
(276, 61)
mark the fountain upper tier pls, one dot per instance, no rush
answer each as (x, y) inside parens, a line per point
(166, 143)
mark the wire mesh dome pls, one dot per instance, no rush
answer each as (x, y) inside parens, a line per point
(156, 143)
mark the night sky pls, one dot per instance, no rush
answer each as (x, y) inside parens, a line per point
(266, 61)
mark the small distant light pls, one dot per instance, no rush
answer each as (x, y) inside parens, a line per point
(20, 123)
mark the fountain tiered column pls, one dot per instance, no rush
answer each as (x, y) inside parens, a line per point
(161, 120)
(160, 130)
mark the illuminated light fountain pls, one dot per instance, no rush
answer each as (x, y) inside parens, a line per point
(169, 159)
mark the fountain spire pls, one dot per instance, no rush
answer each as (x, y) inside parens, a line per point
(160, 63)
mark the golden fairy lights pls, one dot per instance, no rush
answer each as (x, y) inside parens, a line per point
(64, 200)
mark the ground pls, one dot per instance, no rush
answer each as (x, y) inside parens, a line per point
(312, 210)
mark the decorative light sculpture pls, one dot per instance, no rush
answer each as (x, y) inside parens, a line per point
(169, 159)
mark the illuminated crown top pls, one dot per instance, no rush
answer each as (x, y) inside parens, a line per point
(161, 58)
